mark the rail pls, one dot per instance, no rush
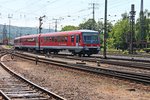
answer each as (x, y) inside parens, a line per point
(126, 75)
(51, 95)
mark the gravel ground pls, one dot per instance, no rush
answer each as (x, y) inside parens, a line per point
(78, 85)
(107, 66)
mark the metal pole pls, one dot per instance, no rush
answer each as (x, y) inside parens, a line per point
(142, 24)
(9, 16)
(105, 30)
(55, 25)
(49, 27)
(132, 28)
(93, 15)
(9, 31)
(40, 23)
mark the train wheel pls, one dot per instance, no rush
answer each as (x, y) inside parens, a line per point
(84, 55)
(74, 53)
(89, 55)
(79, 54)
(56, 53)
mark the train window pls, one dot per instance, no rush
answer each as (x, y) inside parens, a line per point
(44, 39)
(90, 38)
(72, 38)
(15, 41)
(77, 38)
(30, 40)
(53, 39)
(50, 39)
(47, 39)
(35, 39)
(59, 39)
(62, 38)
(66, 38)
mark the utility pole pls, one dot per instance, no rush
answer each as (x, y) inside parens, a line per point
(105, 30)
(49, 27)
(142, 32)
(56, 22)
(93, 12)
(40, 23)
(9, 17)
(132, 21)
(5, 39)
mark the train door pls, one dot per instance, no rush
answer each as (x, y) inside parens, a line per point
(77, 40)
(72, 40)
(37, 43)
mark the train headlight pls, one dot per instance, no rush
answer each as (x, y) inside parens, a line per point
(98, 48)
(86, 48)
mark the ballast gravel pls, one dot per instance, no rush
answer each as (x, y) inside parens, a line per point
(77, 85)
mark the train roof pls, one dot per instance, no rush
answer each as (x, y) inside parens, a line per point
(70, 32)
(56, 33)
(84, 30)
(26, 36)
(81, 31)
(87, 31)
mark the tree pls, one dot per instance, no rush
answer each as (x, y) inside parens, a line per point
(69, 28)
(100, 26)
(89, 24)
(124, 16)
(145, 35)
(119, 34)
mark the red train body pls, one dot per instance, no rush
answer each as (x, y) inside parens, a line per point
(78, 42)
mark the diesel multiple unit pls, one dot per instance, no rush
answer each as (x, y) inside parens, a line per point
(81, 42)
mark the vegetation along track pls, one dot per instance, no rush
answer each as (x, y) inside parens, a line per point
(15, 87)
(125, 75)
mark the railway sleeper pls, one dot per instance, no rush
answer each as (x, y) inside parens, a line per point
(33, 95)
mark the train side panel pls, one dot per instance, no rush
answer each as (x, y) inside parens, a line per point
(77, 42)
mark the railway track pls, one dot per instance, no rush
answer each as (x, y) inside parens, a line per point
(112, 57)
(142, 78)
(116, 61)
(126, 58)
(15, 87)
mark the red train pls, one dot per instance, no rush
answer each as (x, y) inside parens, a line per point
(79, 42)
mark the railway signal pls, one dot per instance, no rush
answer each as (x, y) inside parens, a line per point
(132, 21)
(40, 23)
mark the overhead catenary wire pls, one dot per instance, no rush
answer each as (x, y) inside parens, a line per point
(44, 7)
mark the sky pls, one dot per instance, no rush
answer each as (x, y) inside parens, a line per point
(68, 12)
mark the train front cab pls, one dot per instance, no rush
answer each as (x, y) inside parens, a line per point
(91, 43)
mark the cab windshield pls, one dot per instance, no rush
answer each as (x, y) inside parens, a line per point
(90, 37)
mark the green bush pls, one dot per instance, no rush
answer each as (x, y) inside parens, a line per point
(147, 50)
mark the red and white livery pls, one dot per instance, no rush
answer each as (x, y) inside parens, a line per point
(79, 42)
